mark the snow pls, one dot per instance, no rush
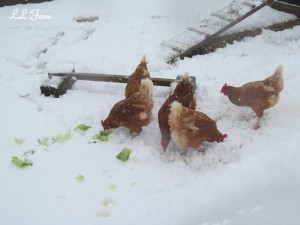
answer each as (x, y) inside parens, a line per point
(253, 177)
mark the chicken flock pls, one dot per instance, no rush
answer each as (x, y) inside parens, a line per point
(178, 119)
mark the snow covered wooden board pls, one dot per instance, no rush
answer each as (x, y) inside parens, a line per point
(59, 83)
(219, 22)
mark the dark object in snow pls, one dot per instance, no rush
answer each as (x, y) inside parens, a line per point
(15, 2)
(57, 87)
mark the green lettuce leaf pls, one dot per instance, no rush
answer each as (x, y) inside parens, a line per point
(99, 137)
(21, 163)
(112, 187)
(80, 178)
(124, 154)
(83, 127)
(18, 141)
(44, 141)
(106, 132)
(102, 136)
(62, 138)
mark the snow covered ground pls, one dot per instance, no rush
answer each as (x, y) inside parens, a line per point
(251, 178)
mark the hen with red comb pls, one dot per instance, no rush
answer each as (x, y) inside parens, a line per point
(189, 128)
(258, 95)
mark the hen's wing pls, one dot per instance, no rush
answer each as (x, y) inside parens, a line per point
(127, 110)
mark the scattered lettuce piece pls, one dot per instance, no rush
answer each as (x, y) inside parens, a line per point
(18, 141)
(102, 136)
(80, 178)
(106, 132)
(44, 141)
(83, 127)
(62, 138)
(21, 163)
(124, 154)
(133, 184)
(185, 161)
(112, 187)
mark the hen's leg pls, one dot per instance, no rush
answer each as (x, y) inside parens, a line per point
(201, 148)
(257, 124)
(183, 151)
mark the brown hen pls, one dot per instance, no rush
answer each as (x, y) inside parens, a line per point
(133, 112)
(258, 95)
(189, 128)
(134, 81)
(183, 93)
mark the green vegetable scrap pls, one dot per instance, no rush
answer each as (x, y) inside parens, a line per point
(62, 138)
(185, 161)
(21, 163)
(124, 154)
(99, 137)
(18, 141)
(106, 132)
(44, 141)
(83, 127)
(112, 187)
(102, 136)
(80, 178)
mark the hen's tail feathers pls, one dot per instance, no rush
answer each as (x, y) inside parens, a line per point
(144, 60)
(186, 77)
(276, 79)
(146, 87)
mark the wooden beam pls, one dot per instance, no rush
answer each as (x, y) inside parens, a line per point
(287, 7)
(65, 81)
(109, 78)
(222, 41)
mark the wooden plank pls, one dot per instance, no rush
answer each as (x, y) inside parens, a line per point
(59, 83)
(109, 78)
(185, 43)
(287, 7)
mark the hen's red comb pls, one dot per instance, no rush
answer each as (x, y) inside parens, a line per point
(224, 88)
(105, 127)
(221, 139)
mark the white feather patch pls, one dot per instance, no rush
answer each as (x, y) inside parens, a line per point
(143, 116)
